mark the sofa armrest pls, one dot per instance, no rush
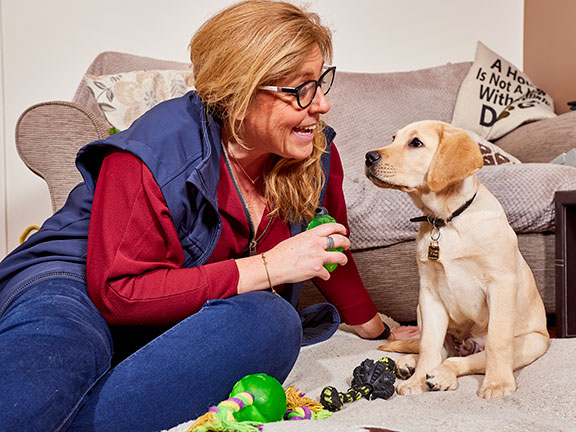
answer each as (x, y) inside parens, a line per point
(48, 135)
(543, 140)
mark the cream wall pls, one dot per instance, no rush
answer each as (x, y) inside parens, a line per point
(48, 44)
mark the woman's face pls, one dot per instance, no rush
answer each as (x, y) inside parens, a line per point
(276, 124)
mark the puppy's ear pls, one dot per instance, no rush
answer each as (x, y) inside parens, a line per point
(456, 158)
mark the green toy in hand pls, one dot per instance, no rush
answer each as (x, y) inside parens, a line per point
(321, 216)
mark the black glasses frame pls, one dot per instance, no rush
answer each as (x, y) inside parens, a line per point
(296, 90)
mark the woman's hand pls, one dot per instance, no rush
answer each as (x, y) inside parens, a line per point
(295, 259)
(303, 256)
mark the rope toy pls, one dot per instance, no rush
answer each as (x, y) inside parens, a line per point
(371, 380)
(300, 407)
(258, 399)
(221, 417)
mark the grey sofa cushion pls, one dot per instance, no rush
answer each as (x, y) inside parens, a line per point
(526, 192)
(367, 109)
(543, 140)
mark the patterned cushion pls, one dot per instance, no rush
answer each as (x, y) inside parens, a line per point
(493, 155)
(124, 97)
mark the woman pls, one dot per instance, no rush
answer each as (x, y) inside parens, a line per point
(186, 234)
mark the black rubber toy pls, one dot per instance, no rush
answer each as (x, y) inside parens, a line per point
(371, 380)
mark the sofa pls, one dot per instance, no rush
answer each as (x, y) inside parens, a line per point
(367, 108)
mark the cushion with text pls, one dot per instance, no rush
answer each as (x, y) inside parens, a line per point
(496, 97)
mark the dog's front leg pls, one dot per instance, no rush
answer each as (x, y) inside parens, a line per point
(433, 325)
(499, 380)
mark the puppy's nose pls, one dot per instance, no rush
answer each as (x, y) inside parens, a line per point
(372, 157)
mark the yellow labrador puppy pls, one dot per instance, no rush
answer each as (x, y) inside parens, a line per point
(479, 310)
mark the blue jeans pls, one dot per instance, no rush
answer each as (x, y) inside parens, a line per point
(56, 352)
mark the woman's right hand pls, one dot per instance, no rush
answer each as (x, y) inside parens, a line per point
(295, 259)
(303, 256)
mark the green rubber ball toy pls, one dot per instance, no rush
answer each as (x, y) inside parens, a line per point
(321, 216)
(269, 398)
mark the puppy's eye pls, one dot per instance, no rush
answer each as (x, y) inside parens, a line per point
(415, 143)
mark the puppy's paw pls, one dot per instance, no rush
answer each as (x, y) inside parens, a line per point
(404, 372)
(491, 389)
(441, 378)
(405, 366)
(414, 385)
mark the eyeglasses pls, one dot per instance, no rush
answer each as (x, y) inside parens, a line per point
(306, 91)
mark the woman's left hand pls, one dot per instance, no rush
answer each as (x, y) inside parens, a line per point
(303, 256)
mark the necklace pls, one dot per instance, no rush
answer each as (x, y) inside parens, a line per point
(253, 241)
(253, 181)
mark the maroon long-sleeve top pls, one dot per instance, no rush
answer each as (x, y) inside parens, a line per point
(134, 267)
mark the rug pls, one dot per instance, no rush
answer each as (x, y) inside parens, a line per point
(545, 400)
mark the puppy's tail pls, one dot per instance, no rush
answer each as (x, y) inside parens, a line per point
(406, 346)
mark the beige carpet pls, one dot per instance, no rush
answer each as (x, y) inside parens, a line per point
(545, 400)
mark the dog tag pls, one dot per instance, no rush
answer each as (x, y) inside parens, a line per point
(433, 250)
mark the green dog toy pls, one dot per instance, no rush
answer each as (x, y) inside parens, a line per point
(257, 399)
(269, 397)
(321, 216)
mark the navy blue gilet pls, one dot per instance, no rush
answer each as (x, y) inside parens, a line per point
(180, 144)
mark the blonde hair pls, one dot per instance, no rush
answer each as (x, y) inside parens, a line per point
(254, 43)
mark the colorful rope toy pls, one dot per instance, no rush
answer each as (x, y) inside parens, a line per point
(258, 399)
(371, 380)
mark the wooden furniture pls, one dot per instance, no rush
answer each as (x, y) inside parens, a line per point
(565, 263)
